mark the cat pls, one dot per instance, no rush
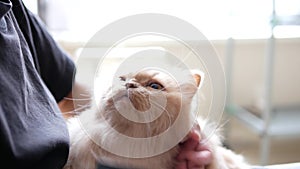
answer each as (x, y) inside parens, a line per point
(144, 105)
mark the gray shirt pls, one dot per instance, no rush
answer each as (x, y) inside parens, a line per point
(34, 75)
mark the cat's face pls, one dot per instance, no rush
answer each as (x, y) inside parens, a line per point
(149, 100)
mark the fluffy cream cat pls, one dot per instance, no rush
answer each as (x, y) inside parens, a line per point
(128, 128)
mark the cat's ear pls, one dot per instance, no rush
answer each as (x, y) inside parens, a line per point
(190, 89)
(198, 77)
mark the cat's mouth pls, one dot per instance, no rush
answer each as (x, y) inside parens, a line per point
(138, 98)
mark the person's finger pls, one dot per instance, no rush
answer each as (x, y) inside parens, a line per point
(202, 147)
(194, 166)
(181, 165)
(198, 158)
(194, 134)
(189, 144)
(193, 139)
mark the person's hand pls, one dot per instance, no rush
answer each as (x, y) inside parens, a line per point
(193, 155)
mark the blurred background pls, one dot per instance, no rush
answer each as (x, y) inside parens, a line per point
(258, 42)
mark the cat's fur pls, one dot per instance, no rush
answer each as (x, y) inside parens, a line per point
(93, 128)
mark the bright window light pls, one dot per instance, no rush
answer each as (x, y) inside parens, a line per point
(32, 5)
(217, 19)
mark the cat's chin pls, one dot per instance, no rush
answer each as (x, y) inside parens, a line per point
(119, 94)
(136, 99)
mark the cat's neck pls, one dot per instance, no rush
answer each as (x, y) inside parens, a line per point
(133, 129)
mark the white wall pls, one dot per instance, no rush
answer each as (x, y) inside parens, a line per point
(248, 68)
(248, 71)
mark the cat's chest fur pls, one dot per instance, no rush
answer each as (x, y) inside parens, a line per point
(86, 153)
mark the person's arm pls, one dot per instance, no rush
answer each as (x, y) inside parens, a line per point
(78, 100)
(54, 65)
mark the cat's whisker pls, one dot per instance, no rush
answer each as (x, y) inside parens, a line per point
(81, 105)
(222, 125)
(68, 112)
(88, 92)
(87, 95)
(184, 59)
(77, 110)
(83, 99)
(163, 108)
(187, 92)
(144, 95)
(80, 108)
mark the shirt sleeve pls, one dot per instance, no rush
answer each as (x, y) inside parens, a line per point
(54, 65)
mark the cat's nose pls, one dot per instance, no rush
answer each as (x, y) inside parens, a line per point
(131, 85)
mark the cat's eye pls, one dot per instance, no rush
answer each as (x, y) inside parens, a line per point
(156, 86)
(122, 78)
